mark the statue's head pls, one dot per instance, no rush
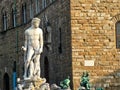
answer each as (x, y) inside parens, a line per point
(35, 22)
(85, 74)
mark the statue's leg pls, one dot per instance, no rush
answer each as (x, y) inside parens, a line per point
(31, 69)
(88, 87)
(27, 62)
(37, 65)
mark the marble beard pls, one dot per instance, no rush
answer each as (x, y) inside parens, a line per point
(32, 50)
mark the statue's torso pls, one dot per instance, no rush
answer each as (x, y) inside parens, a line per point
(33, 37)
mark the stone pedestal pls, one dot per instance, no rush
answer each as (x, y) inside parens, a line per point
(33, 84)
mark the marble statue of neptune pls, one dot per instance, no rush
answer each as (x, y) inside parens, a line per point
(33, 48)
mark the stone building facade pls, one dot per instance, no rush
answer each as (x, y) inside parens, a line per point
(95, 37)
(15, 18)
(85, 37)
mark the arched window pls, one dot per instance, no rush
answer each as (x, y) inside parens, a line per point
(6, 85)
(37, 6)
(31, 9)
(43, 4)
(14, 19)
(24, 13)
(118, 34)
(14, 75)
(4, 20)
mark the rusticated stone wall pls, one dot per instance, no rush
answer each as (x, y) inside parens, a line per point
(94, 38)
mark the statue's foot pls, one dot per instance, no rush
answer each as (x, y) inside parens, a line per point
(25, 77)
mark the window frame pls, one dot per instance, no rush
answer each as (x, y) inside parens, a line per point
(14, 17)
(37, 6)
(4, 18)
(44, 4)
(117, 35)
(24, 13)
(31, 10)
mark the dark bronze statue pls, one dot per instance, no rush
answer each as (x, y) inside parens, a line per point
(84, 83)
(100, 88)
(65, 83)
